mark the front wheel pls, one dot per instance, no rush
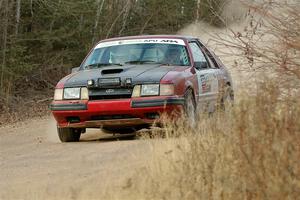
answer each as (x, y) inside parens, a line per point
(190, 108)
(69, 134)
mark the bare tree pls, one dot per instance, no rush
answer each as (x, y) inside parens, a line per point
(31, 10)
(125, 16)
(18, 9)
(198, 10)
(4, 47)
(31, 13)
(146, 23)
(114, 22)
(100, 4)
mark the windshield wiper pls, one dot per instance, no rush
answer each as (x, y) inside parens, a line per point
(146, 61)
(102, 64)
(140, 61)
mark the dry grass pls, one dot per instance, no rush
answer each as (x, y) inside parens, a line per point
(249, 152)
(252, 150)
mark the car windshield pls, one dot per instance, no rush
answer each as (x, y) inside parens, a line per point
(124, 52)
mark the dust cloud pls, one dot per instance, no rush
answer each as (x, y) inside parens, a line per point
(234, 16)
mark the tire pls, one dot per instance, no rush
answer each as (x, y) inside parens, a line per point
(228, 98)
(190, 107)
(69, 134)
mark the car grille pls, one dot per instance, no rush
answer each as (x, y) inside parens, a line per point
(109, 93)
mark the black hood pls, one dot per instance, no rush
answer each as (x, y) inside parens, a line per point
(138, 73)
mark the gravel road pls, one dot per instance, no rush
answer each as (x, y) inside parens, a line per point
(34, 164)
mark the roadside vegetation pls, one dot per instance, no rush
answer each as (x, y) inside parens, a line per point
(250, 150)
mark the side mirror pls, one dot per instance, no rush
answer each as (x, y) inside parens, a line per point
(75, 69)
(201, 65)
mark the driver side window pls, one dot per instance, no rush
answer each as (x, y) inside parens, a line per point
(199, 58)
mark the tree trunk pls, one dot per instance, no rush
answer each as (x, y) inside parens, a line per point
(125, 16)
(30, 27)
(31, 9)
(80, 26)
(5, 27)
(198, 10)
(146, 24)
(18, 9)
(99, 10)
(114, 23)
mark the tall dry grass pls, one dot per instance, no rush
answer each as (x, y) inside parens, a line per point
(252, 150)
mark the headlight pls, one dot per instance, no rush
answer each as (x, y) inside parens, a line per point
(72, 93)
(153, 90)
(150, 90)
(84, 93)
(136, 91)
(166, 89)
(58, 94)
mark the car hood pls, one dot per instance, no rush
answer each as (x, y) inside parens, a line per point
(138, 73)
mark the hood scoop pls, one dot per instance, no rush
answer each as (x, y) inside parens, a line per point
(111, 71)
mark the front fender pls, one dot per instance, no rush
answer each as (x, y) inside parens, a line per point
(183, 80)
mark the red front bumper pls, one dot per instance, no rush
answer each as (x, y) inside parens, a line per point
(114, 113)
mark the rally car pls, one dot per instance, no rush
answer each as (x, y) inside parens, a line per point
(126, 84)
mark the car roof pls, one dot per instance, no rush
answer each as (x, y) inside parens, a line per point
(150, 36)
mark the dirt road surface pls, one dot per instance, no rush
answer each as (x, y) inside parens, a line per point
(36, 165)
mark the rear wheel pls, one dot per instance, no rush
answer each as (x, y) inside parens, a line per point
(69, 134)
(228, 98)
(190, 107)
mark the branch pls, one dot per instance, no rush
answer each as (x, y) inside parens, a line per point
(115, 21)
(146, 23)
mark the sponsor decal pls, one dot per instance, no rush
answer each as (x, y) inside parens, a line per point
(205, 86)
(209, 83)
(161, 41)
(141, 41)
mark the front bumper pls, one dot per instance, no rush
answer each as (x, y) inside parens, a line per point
(115, 113)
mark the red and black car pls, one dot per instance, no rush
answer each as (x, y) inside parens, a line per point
(127, 83)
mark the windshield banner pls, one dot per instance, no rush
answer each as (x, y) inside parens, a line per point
(141, 41)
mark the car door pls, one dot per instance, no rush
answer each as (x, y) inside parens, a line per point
(208, 78)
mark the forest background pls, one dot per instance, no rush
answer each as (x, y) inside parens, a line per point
(41, 40)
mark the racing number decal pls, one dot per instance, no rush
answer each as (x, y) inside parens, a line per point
(202, 84)
(208, 82)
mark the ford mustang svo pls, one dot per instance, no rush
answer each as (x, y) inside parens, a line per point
(126, 84)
